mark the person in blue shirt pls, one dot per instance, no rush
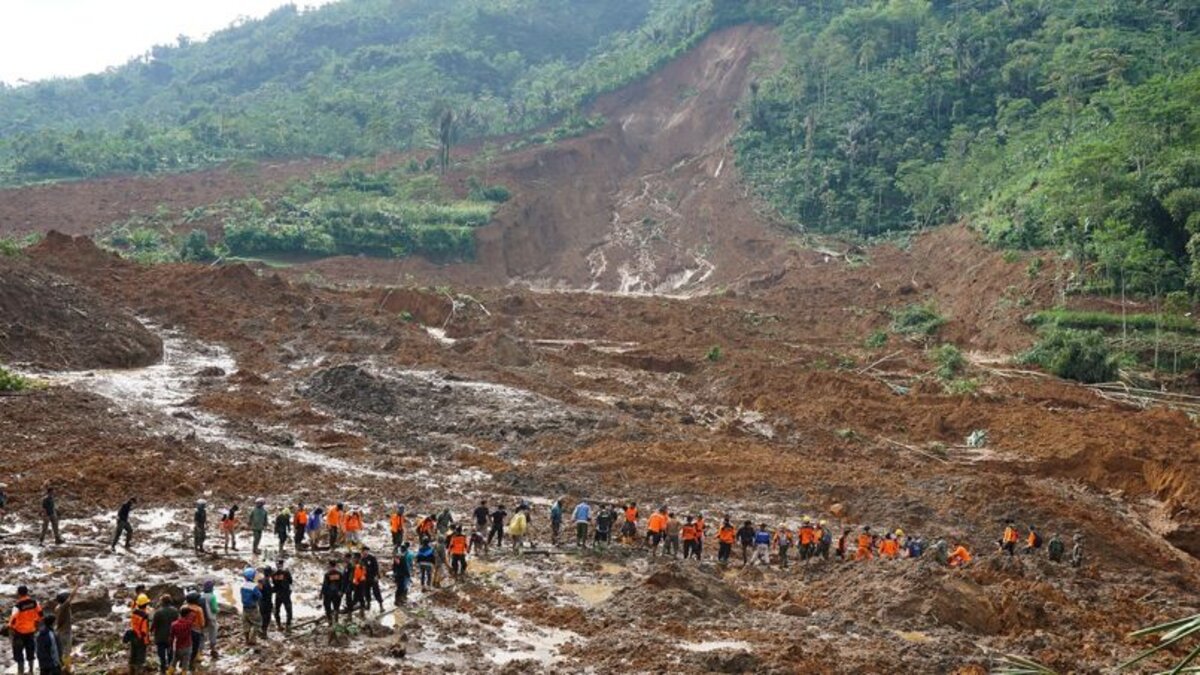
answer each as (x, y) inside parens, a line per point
(313, 527)
(402, 568)
(425, 561)
(556, 517)
(762, 545)
(251, 597)
(582, 518)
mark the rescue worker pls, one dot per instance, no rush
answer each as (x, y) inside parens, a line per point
(1033, 541)
(960, 557)
(402, 569)
(915, 547)
(941, 552)
(445, 521)
(333, 520)
(457, 545)
(181, 642)
(283, 527)
(396, 525)
(212, 608)
(23, 627)
(807, 536)
(1008, 541)
(331, 592)
(425, 561)
(688, 534)
(258, 522)
(725, 538)
(139, 633)
(629, 528)
(605, 519)
(517, 527)
(49, 517)
(353, 525)
(160, 629)
(745, 537)
(312, 529)
(1077, 551)
(281, 582)
(671, 535)
(64, 625)
(556, 518)
(3, 499)
(358, 584)
(267, 602)
(123, 525)
(427, 527)
(371, 565)
(482, 514)
(348, 565)
(199, 620)
(251, 594)
(229, 528)
(48, 648)
(842, 543)
(783, 543)
(865, 541)
(656, 525)
(1056, 548)
(762, 545)
(824, 539)
(582, 515)
(701, 532)
(299, 526)
(199, 525)
(889, 547)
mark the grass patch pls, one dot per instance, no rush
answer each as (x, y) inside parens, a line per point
(950, 361)
(876, 339)
(11, 382)
(714, 354)
(1110, 321)
(918, 320)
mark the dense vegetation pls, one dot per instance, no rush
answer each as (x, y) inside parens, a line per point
(350, 78)
(1072, 123)
(386, 214)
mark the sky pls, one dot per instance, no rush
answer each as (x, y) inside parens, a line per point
(40, 39)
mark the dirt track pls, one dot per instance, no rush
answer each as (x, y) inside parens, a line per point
(498, 391)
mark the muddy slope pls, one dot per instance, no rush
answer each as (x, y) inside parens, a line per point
(651, 202)
(51, 322)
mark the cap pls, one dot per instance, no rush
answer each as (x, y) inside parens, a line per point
(249, 573)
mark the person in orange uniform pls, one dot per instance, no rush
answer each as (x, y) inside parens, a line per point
(457, 544)
(353, 525)
(1008, 541)
(700, 534)
(427, 527)
(396, 524)
(22, 628)
(629, 529)
(808, 539)
(655, 526)
(725, 538)
(864, 545)
(358, 586)
(960, 557)
(333, 520)
(299, 525)
(688, 535)
(889, 547)
(139, 624)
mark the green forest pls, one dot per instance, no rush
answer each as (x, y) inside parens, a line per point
(1072, 124)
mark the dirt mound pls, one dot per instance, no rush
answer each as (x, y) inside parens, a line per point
(424, 407)
(687, 591)
(51, 322)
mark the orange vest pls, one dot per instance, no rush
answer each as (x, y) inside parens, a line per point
(1010, 535)
(397, 523)
(806, 535)
(139, 621)
(726, 535)
(689, 532)
(333, 518)
(25, 619)
(353, 522)
(229, 525)
(700, 528)
(360, 574)
(427, 526)
(301, 518)
(631, 514)
(783, 537)
(889, 548)
(197, 617)
(960, 556)
(1032, 539)
(864, 542)
(458, 544)
(656, 523)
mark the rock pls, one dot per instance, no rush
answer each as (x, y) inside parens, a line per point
(375, 629)
(161, 565)
(961, 602)
(737, 662)
(91, 604)
(158, 590)
(838, 510)
(795, 610)
(210, 372)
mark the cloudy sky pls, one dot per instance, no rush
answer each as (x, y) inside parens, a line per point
(59, 38)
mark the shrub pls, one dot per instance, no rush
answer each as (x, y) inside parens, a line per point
(917, 320)
(497, 193)
(10, 381)
(1074, 355)
(950, 361)
(714, 353)
(876, 340)
(9, 247)
(195, 248)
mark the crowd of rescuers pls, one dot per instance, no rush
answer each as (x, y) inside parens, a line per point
(180, 632)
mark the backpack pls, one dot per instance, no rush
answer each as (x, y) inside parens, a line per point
(1056, 547)
(1037, 540)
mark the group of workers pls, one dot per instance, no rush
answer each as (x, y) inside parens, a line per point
(180, 630)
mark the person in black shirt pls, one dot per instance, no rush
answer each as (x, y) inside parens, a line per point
(200, 529)
(371, 564)
(281, 581)
(499, 516)
(49, 517)
(123, 525)
(331, 592)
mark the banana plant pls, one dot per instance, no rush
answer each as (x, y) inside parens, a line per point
(1170, 634)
